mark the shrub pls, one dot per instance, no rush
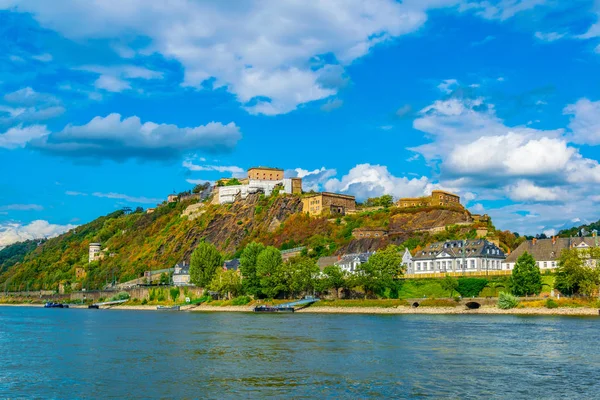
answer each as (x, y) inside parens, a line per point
(120, 296)
(469, 287)
(551, 304)
(507, 301)
(437, 303)
(174, 292)
(240, 301)
(145, 301)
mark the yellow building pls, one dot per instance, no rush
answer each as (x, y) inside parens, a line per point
(265, 173)
(328, 203)
(437, 198)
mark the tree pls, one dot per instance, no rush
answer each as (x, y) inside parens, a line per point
(269, 272)
(164, 279)
(386, 201)
(250, 283)
(574, 276)
(201, 187)
(203, 264)
(450, 284)
(227, 282)
(301, 273)
(382, 271)
(335, 278)
(526, 278)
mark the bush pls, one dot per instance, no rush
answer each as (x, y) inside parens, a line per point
(469, 287)
(437, 303)
(145, 301)
(551, 304)
(240, 301)
(120, 296)
(174, 292)
(507, 301)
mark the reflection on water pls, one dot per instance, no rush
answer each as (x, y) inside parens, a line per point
(54, 353)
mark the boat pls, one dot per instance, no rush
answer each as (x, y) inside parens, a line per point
(273, 309)
(94, 306)
(168, 308)
(55, 305)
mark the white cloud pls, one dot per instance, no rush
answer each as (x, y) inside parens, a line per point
(232, 169)
(549, 36)
(14, 232)
(74, 193)
(21, 207)
(585, 121)
(117, 138)
(312, 180)
(503, 9)
(550, 232)
(478, 208)
(19, 136)
(45, 57)
(366, 180)
(524, 190)
(127, 198)
(118, 78)
(27, 105)
(332, 104)
(448, 85)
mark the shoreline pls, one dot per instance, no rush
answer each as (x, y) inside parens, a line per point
(399, 310)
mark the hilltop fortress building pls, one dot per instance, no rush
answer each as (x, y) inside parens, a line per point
(260, 180)
(437, 198)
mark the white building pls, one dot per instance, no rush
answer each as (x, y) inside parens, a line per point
(350, 262)
(95, 249)
(455, 256)
(181, 275)
(546, 252)
(228, 194)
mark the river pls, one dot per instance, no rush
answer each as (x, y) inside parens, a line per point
(71, 353)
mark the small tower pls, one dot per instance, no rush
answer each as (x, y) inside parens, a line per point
(94, 252)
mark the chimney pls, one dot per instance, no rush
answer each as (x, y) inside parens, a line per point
(553, 240)
(534, 241)
(339, 258)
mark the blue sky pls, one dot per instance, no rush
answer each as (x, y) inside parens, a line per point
(106, 104)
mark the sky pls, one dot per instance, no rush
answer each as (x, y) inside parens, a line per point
(106, 104)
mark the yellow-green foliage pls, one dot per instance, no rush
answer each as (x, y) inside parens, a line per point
(384, 303)
(438, 303)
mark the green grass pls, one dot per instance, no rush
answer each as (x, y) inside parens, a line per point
(418, 288)
(385, 303)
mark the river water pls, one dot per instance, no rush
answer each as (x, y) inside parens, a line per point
(64, 354)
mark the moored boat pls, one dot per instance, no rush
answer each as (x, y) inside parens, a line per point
(272, 309)
(55, 305)
(168, 308)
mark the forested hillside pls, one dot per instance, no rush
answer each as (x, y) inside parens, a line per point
(137, 242)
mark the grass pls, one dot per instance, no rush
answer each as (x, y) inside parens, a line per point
(418, 288)
(438, 303)
(564, 302)
(383, 303)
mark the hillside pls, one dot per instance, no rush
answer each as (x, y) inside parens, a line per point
(137, 242)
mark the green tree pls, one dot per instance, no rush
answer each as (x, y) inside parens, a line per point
(301, 274)
(174, 292)
(164, 279)
(335, 278)
(386, 201)
(382, 271)
(250, 282)
(204, 263)
(269, 272)
(574, 276)
(526, 278)
(201, 187)
(450, 284)
(227, 283)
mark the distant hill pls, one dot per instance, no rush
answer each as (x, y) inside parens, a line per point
(136, 242)
(576, 230)
(15, 253)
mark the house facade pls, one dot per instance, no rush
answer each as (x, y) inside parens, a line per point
(362, 233)
(260, 180)
(546, 252)
(437, 198)
(351, 262)
(181, 274)
(328, 203)
(477, 255)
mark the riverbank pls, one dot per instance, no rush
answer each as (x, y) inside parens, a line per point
(487, 310)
